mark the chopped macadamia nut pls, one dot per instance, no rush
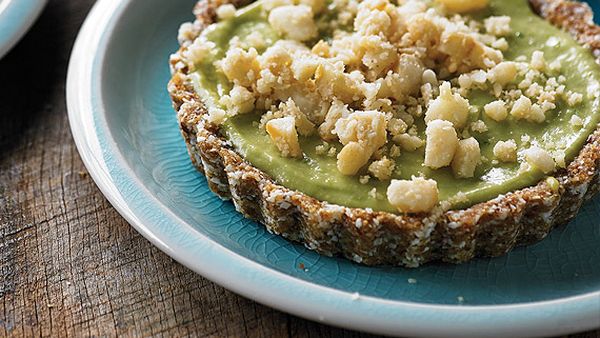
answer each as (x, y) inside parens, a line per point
(497, 25)
(500, 44)
(256, 40)
(441, 144)
(414, 196)
(538, 62)
(186, 33)
(199, 49)
(430, 77)
(366, 127)
(351, 158)
(506, 151)
(408, 142)
(449, 107)
(241, 67)
(479, 127)
(382, 169)
(303, 124)
(371, 21)
(283, 134)
(466, 158)
(496, 110)
(294, 22)
(397, 126)
(379, 55)
(226, 11)
(304, 68)
(216, 116)
(337, 111)
(504, 73)
(381, 73)
(540, 159)
(523, 109)
(409, 73)
(537, 114)
(466, 53)
(239, 101)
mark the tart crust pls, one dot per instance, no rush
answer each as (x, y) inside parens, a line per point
(369, 237)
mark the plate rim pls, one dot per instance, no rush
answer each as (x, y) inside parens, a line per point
(262, 284)
(16, 17)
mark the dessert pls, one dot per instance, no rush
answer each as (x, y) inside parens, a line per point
(394, 133)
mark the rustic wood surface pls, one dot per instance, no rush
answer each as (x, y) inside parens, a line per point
(69, 264)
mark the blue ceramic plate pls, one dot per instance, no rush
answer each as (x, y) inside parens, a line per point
(16, 16)
(127, 135)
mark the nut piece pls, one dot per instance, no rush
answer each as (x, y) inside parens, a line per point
(538, 62)
(239, 101)
(226, 11)
(408, 142)
(362, 133)
(504, 73)
(540, 158)
(303, 124)
(506, 151)
(382, 169)
(496, 110)
(284, 136)
(523, 109)
(366, 127)
(337, 111)
(466, 158)
(294, 22)
(351, 158)
(416, 195)
(241, 67)
(462, 6)
(449, 107)
(497, 25)
(441, 144)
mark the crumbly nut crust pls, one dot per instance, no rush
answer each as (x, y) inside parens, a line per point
(491, 228)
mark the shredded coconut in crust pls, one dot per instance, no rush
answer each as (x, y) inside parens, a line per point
(486, 229)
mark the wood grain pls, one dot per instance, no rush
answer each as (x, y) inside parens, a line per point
(69, 264)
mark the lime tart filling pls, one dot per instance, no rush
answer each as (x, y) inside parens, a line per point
(395, 106)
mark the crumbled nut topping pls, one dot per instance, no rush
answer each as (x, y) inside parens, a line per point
(382, 169)
(466, 158)
(413, 196)
(225, 11)
(540, 159)
(506, 151)
(389, 75)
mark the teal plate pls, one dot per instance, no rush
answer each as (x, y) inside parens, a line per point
(127, 135)
(16, 16)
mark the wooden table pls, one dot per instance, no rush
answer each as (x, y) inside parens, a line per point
(69, 264)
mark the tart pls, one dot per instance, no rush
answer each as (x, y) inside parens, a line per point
(394, 133)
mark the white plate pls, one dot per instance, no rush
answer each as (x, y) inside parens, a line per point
(128, 138)
(16, 16)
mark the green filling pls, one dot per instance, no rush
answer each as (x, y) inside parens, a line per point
(317, 175)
